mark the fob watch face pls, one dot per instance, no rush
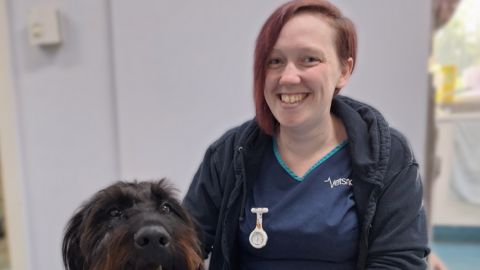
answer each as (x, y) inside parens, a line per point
(258, 238)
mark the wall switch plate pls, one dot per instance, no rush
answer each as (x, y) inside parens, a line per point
(44, 26)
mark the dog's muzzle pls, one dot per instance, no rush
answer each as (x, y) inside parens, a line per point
(152, 242)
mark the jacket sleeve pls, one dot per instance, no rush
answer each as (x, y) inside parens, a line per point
(399, 236)
(203, 200)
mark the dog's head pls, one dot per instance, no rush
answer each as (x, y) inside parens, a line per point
(132, 226)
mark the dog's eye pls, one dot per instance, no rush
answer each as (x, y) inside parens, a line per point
(165, 208)
(115, 212)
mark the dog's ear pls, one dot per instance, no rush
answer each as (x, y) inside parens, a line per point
(73, 259)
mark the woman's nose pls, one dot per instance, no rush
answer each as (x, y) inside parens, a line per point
(290, 75)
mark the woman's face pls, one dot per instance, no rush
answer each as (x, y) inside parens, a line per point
(303, 72)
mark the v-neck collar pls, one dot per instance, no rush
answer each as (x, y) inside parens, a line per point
(313, 167)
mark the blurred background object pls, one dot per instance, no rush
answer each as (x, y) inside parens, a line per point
(4, 255)
(12, 224)
(455, 67)
(443, 11)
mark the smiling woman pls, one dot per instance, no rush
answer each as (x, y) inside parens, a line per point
(303, 74)
(326, 170)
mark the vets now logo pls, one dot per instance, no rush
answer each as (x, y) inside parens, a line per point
(339, 182)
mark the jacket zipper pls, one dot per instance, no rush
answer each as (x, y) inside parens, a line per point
(238, 174)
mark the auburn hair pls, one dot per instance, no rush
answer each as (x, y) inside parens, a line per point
(345, 45)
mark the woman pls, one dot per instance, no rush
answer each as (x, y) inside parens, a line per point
(316, 180)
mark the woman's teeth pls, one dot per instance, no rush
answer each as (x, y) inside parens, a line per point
(292, 98)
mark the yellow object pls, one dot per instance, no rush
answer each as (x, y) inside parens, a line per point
(445, 83)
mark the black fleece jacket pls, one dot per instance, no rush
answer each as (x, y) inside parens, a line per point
(386, 184)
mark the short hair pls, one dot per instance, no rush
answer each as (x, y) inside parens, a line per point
(345, 45)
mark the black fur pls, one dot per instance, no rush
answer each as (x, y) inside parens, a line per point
(132, 226)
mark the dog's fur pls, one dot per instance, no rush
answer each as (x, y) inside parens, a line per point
(132, 226)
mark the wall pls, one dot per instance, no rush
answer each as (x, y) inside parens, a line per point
(139, 90)
(392, 63)
(192, 82)
(64, 99)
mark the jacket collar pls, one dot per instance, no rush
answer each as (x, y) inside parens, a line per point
(368, 135)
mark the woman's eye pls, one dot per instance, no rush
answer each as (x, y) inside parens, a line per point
(165, 209)
(311, 60)
(274, 62)
(115, 213)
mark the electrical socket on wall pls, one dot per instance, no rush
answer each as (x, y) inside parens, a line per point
(44, 26)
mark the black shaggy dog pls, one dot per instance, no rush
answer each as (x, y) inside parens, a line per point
(132, 226)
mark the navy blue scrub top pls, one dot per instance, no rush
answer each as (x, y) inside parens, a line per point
(312, 222)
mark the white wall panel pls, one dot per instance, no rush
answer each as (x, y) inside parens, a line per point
(394, 42)
(183, 76)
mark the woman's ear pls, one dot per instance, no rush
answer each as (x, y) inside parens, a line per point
(346, 71)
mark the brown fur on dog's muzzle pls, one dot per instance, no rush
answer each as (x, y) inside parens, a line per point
(132, 226)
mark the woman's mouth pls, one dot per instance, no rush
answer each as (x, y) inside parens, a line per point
(292, 98)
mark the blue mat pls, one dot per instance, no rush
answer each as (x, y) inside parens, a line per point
(458, 247)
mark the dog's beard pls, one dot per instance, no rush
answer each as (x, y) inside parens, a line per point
(114, 251)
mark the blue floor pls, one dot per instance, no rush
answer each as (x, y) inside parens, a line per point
(458, 255)
(458, 248)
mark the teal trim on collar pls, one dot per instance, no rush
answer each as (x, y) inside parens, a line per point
(323, 159)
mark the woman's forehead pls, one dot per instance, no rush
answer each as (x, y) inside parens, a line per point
(307, 32)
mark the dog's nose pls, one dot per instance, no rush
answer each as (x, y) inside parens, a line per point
(151, 237)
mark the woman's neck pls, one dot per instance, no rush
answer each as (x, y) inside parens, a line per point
(310, 144)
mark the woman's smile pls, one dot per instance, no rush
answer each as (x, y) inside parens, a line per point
(292, 99)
